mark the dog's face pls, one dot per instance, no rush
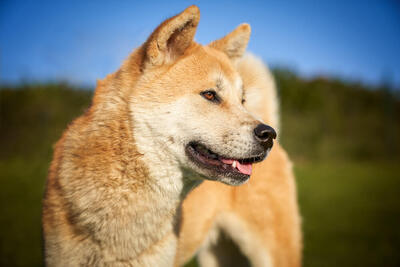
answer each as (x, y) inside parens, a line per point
(193, 109)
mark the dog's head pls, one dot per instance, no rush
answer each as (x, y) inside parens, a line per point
(188, 102)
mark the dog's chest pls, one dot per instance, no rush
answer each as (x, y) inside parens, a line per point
(142, 232)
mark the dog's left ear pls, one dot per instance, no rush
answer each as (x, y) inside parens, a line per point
(235, 43)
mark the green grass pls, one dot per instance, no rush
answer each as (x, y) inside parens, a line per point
(22, 184)
(351, 212)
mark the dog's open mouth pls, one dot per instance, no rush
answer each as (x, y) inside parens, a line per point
(208, 159)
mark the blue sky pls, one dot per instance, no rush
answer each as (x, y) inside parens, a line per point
(81, 41)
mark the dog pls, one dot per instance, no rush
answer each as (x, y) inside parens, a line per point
(256, 224)
(169, 118)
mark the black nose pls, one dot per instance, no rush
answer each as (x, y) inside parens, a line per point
(264, 133)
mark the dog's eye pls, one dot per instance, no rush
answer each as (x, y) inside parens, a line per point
(210, 95)
(243, 100)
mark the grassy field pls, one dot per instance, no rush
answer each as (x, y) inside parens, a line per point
(22, 183)
(350, 212)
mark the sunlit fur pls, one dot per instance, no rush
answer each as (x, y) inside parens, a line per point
(120, 172)
(262, 216)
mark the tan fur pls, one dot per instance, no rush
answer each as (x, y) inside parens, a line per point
(120, 171)
(261, 216)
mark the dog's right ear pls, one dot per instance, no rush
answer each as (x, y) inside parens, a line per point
(234, 44)
(171, 38)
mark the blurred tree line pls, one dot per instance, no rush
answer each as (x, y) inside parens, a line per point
(326, 118)
(321, 118)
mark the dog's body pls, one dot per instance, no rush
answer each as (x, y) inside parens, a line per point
(260, 217)
(171, 116)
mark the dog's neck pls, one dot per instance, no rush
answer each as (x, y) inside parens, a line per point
(147, 185)
(165, 172)
(159, 182)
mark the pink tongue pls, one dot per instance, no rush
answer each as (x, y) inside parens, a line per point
(243, 168)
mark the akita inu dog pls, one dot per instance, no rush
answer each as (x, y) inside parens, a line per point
(171, 116)
(256, 224)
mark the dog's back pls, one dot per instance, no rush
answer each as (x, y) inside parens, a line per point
(260, 218)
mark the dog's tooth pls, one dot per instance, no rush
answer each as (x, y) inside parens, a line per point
(234, 164)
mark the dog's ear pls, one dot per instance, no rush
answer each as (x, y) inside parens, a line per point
(171, 38)
(234, 44)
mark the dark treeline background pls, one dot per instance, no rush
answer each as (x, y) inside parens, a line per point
(333, 119)
(321, 118)
(342, 136)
